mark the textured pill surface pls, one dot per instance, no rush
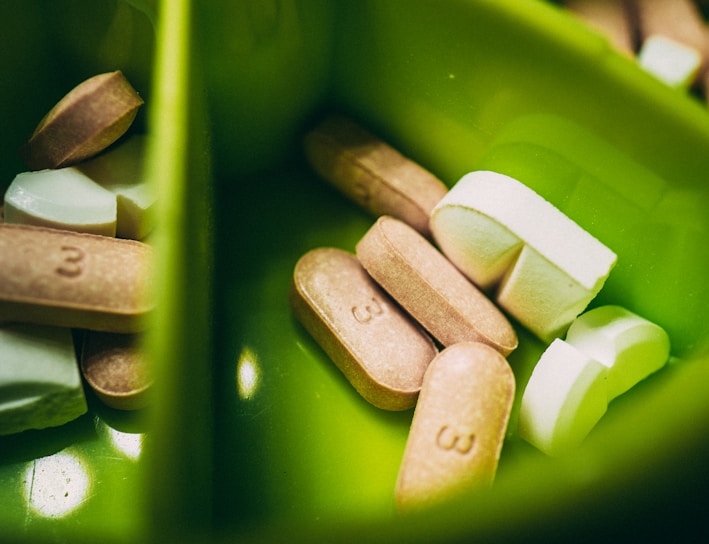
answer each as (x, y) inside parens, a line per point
(62, 199)
(115, 367)
(372, 173)
(458, 427)
(380, 350)
(77, 280)
(88, 119)
(504, 236)
(563, 400)
(430, 288)
(629, 345)
(40, 383)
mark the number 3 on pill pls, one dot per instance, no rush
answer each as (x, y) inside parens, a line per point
(365, 313)
(72, 261)
(449, 440)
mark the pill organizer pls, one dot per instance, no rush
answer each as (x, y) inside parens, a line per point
(253, 434)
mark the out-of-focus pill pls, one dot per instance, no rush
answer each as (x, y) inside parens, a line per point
(679, 20)
(565, 397)
(77, 280)
(88, 119)
(430, 288)
(458, 427)
(504, 236)
(380, 350)
(115, 367)
(120, 171)
(372, 173)
(62, 199)
(670, 61)
(629, 345)
(611, 18)
(40, 383)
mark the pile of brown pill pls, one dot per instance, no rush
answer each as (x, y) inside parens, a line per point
(421, 315)
(669, 39)
(75, 284)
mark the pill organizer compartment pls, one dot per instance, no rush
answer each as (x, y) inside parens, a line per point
(254, 434)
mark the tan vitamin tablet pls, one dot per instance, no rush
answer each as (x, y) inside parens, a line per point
(115, 367)
(458, 427)
(379, 349)
(88, 119)
(372, 173)
(611, 18)
(679, 20)
(72, 279)
(430, 288)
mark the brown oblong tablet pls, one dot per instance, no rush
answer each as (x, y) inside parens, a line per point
(459, 425)
(372, 173)
(115, 367)
(432, 289)
(87, 120)
(380, 350)
(71, 279)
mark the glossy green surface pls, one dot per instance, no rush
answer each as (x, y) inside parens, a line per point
(254, 433)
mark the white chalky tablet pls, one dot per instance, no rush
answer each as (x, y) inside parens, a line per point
(40, 382)
(672, 62)
(629, 345)
(564, 399)
(62, 199)
(120, 171)
(501, 233)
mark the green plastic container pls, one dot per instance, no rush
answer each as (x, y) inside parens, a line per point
(254, 435)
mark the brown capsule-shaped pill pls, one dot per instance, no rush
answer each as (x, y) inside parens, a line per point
(88, 119)
(70, 279)
(432, 289)
(380, 350)
(115, 367)
(372, 173)
(458, 427)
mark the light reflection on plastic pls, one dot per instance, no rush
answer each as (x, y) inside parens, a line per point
(56, 485)
(248, 374)
(129, 444)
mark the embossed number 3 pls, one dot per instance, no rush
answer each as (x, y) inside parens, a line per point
(448, 440)
(72, 260)
(367, 312)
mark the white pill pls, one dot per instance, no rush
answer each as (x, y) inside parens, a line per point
(502, 234)
(670, 61)
(629, 345)
(64, 199)
(120, 171)
(565, 397)
(40, 383)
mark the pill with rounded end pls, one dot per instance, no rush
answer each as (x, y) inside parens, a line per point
(629, 345)
(459, 425)
(372, 173)
(543, 267)
(73, 279)
(430, 288)
(380, 350)
(88, 119)
(115, 367)
(566, 395)
(64, 198)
